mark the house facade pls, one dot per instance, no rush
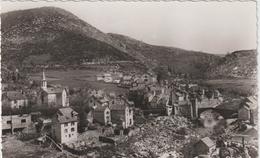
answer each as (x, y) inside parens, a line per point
(102, 115)
(121, 112)
(16, 122)
(248, 110)
(15, 99)
(205, 146)
(187, 104)
(65, 125)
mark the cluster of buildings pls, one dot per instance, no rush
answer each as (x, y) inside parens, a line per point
(63, 124)
(117, 111)
(127, 80)
(176, 99)
(106, 110)
(111, 110)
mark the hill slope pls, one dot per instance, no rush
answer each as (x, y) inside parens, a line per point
(179, 60)
(239, 64)
(57, 35)
(53, 35)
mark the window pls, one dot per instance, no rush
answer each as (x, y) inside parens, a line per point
(15, 101)
(72, 123)
(66, 130)
(72, 129)
(8, 122)
(69, 135)
(23, 120)
(66, 124)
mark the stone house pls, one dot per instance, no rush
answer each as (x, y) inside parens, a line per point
(248, 110)
(65, 125)
(101, 114)
(98, 101)
(205, 146)
(187, 104)
(121, 112)
(108, 78)
(100, 77)
(149, 78)
(16, 122)
(14, 99)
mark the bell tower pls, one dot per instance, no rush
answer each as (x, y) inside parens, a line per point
(44, 82)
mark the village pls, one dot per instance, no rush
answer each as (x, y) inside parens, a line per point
(156, 118)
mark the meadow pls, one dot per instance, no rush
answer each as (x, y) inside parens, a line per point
(237, 87)
(77, 79)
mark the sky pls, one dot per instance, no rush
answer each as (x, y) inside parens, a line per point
(212, 27)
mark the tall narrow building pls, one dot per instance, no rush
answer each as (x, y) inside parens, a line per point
(44, 81)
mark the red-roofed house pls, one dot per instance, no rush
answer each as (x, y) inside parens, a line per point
(65, 125)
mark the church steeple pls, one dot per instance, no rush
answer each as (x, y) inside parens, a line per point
(44, 82)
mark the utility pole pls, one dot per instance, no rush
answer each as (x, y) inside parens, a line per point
(11, 121)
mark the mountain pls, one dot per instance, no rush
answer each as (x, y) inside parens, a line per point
(178, 60)
(239, 64)
(54, 35)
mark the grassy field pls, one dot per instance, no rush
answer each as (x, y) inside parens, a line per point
(242, 87)
(77, 79)
(14, 148)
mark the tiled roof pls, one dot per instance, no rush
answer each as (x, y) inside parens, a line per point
(100, 108)
(14, 95)
(54, 90)
(251, 102)
(119, 104)
(66, 114)
(207, 141)
(251, 132)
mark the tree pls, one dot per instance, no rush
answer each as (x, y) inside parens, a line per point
(82, 120)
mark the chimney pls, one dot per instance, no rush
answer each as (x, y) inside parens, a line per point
(194, 107)
(203, 94)
(243, 142)
(251, 118)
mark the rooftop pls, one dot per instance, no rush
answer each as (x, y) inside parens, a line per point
(66, 114)
(207, 141)
(15, 95)
(54, 90)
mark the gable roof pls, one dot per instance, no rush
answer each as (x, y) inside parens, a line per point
(100, 108)
(119, 104)
(54, 90)
(251, 132)
(251, 102)
(66, 114)
(207, 141)
(15, 95)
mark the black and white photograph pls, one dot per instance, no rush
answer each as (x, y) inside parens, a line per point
(116, 79)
